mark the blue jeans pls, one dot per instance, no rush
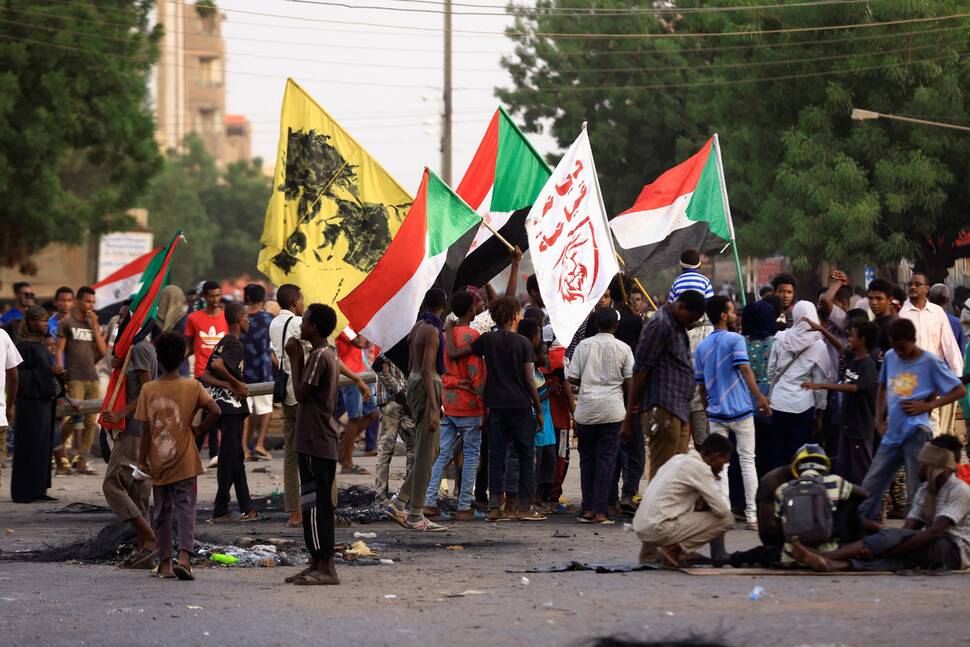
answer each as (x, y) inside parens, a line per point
(471, 448)
(517, 427)
(885, 464)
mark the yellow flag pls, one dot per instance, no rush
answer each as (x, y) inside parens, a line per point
(334, 209)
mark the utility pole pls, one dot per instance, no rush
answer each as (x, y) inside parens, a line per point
(446, 113)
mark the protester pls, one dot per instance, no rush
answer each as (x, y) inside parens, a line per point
(512, 400)
(940, 295)
(127, 497)
(284, 326)
(772, 538)
(63, 304)
(910, 376)
(690, 278)
(36, 391)
(259, 363)
(699, 424)
(784, 286)
(396, 421)
(546, 440)
(880, 296)
(316, 440)
(360, 413)
(24, 298)
(933, 334)
(798, 355)
(857, 422)
(602, 367)
(683, 507)
(425, 343)
(167, 454)
(171, 317)
(812, 464)
(223, 379)
(834, 304)
(727, 385)
(79, 348)
(663, 381)
(462, 389)
(561, 408)
(936, 535)
(204, 328)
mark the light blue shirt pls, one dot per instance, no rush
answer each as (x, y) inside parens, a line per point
(691, 280)
(913, 380)
(716, 363)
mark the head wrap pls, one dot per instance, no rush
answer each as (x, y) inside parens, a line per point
(758, 320)
(690, 259)
(28, 334)
(938, 460)
(800, 336)
(171, 307)
(478, 294)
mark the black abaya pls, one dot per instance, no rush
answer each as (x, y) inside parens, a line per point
(34, 424)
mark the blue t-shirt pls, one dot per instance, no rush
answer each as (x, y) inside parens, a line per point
(716, 363)
(913, 380)
(10, 314)
(52, 326)
(257, 365)
(691, 280)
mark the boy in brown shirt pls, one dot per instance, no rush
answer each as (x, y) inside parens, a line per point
(167, 406)
(315, 388)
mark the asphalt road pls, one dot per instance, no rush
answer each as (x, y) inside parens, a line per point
(78, 604)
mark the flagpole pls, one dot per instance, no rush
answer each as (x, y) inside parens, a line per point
(497, 235)
(643, 291)
(727, 215)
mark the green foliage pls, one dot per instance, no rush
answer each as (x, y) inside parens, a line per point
(221, 213)
(77, 142)
(804, 179)
(205, 8)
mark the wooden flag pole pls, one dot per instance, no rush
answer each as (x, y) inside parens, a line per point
(646, 294)
(498, 235)
(124, 367)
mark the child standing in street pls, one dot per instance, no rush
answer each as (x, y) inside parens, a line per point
(168, 453)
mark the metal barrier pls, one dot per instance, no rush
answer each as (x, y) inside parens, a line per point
(262, 388)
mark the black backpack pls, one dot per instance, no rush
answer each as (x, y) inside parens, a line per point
(806, 512)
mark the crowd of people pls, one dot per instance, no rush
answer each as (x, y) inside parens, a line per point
(730, 414)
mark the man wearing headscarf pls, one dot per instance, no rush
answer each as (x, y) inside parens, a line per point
(936, 535)
(798, 355)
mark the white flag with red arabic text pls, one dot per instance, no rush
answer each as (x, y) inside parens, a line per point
(570, 241)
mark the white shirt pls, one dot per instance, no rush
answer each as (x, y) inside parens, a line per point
(9, 358)
(277, 343)
(601, 363)
(787, 394)
(933, 333)
(674, 490)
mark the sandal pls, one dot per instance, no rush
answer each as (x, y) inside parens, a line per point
(356, 469)
(142, 559)
(424, 525)
(293, 578)
(88, 471)
(165, 576)
(530, 516)
(316, 578)
(604, 522)
(184, 573)
(262, 455)
(496, 514)
(249, 516)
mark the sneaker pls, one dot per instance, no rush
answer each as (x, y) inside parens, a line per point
(399, 516)
(424, 525)
(214, 461)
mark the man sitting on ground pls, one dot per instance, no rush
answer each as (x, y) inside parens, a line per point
(936, 534)
(684, 508)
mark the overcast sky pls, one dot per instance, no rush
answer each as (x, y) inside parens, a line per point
(382, 80)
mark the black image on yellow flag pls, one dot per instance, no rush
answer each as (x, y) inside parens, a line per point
(333, 209)
(363, 225)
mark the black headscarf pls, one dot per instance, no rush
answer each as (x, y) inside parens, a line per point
(758, 320)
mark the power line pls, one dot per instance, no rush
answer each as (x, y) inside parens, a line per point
(703, 66)
(648, 36)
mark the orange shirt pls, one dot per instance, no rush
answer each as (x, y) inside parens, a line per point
(462, 402)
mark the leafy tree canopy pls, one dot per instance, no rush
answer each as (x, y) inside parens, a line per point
(77, 138)
(804, 179)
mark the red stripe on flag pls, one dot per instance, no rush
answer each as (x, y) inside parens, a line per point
(678, 181)
(123, 344)
(480, 176)
(398, 264)
(137, 266)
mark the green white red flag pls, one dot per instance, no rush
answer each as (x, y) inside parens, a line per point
(685, 208)
(384, 307)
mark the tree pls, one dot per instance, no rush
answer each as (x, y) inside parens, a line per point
(221, 213)
(804, 180)
(77, 140)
